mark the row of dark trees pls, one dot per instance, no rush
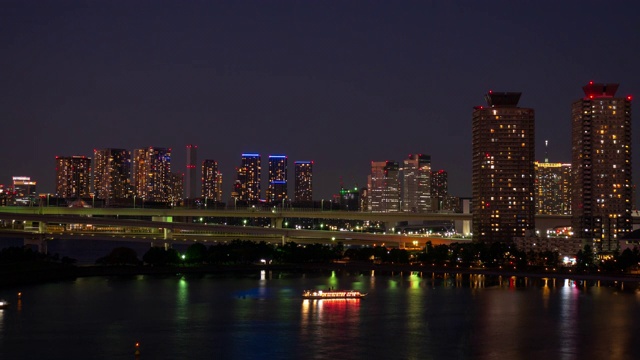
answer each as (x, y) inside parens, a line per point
(487, 255)
(25, 255)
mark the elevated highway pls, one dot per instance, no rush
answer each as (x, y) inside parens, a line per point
(164, 231)
(276, 215)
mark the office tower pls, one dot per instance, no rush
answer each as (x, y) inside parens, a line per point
(192, 151)
(211, 181)
(249, 174)
(112, 174)
(416, 183)
(277, 190)
(601, 163)
(24, 190)
(384, 187)
(553, 188)
(304, 181)
(502, 174)
(73, 176)
(439, 190)
(176, 187)
(151, 173)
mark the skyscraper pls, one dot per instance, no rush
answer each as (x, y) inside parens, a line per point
(553, 188)
(277, 190)
(176, 187)
(439, 190)
(192, 153)
(304, 181)
(249, 174)
(211, 181)
(503, 173)
(601, 164)
(151, 173)
(112, 174)
(416, 183)
(73, 177)
(384, 187)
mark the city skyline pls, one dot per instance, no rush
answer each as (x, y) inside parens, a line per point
(341, 84)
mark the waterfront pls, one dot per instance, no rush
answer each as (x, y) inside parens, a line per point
(405, 316)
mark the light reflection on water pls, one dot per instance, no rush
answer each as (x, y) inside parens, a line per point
(411, 315)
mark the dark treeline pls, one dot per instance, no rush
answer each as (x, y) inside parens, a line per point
(474, 255)
(13, 256)
(245, 252)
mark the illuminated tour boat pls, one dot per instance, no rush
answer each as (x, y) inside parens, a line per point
(332, 294)
(3, 304)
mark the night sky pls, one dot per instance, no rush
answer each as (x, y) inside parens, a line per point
(342, 83)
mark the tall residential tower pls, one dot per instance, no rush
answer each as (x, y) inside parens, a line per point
(112, 174)
(73, 176)
(277, 190)
(503, 175)
(152, 173)
(248, 183)
(601, 162)
(211, 181)
(304, 181)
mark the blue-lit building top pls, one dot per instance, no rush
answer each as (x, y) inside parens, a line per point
(277, 190)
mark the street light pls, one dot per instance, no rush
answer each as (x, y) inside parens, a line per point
(134, 201)
(322, 205)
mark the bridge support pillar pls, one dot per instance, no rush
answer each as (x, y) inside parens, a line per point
(167, 235)
(39, 242)
(389, 227)
(277, 223)
(42, 227)
(402, 245)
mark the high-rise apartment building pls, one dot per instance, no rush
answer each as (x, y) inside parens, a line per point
(176, 188)
(73, 177)
(112, 174)
(211, 181)
(190, 184)
(249, 174)
(553, 188)
(277, 190)
(416, 183)
(384, 187)
(439, 190)
(151, 173)
(503, 173)
(601, 163)
(304, 181)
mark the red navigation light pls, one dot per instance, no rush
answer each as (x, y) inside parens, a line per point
(590, 96)
(590, 82)
(629, 97)
(490, 91)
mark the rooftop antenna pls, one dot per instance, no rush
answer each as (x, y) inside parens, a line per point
(546, 152)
